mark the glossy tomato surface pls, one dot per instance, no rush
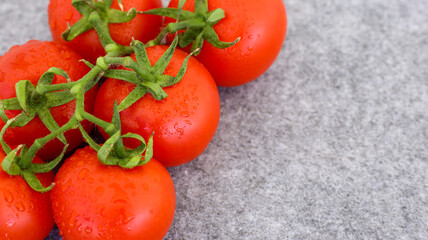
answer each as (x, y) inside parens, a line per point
(94, 201)
(24, 213)
(262, 26)
(142, 27)
(28, 62)
(184, 122)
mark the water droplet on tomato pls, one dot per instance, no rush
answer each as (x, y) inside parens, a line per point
(185, 114)
(88, 230)
(20, 206)
(83, 173)
(8, 197)
(6, 235)
(10, 223)
(129, 220)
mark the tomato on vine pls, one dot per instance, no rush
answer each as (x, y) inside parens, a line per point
(63, 14)
(183, 123)
(24, 213)
(259, 25)
(94, 201)
(29, 62)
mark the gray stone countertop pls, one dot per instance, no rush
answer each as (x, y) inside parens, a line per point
(330, 143)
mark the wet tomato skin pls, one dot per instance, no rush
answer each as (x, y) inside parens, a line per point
(95, 201)
(24, 213)
(261, 25)
(183, 123)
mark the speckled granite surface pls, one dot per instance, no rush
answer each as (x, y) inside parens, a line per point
(330, 143)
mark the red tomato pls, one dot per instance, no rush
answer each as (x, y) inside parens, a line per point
(29, 62)
(94, 201)
(24, 213)
(142, 27)
(262, 26)
(184, 122)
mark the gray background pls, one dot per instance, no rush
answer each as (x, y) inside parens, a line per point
(330, 143)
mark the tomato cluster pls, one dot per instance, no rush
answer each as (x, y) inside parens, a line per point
(151, 106)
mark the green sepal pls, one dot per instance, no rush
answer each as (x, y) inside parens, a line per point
(10, 104)
(55, 99)
(48, 76)
(170, 12)
(149, 151)
(138, 150)
(106, 149)
(22, 120)
(155, 90)
(24, 89)
(188, 37)
(136, 94)
(47, 167)
(34, 182)
(141, 55)
(116, 117)
(201, 7)
(9, 162)
(77, 29)
(6, 147)
(198, 43)
(166, 81)
(124, 75)
(88, 138)
(215, 16)
(131, 163)
(211, 36)
(117, 16)
(164, 60)
(46, 117)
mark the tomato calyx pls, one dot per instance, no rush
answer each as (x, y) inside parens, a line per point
(21, 164)
(37, 100)
(113, 152)
(147, 78)
(98, 15)
(196, 26)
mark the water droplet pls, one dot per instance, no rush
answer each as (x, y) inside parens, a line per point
(10, 223)
(180, 131)
(66, 55)
(129, 220)
(20, 206)
(88, 230)
(8, 197)
(83, 173)
(185, 114)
